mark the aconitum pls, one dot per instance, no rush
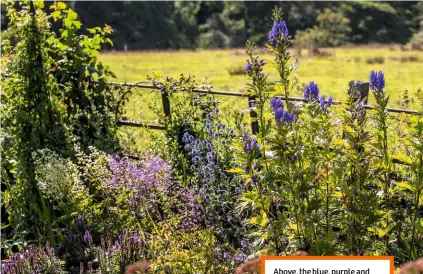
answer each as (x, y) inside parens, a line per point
(249, 68)
(288, 117)
(311, 91)
(276, 103)
(377, 80)
(279, 30)
(322, 102)
(250, 144)
(330, 101)
(278, 115)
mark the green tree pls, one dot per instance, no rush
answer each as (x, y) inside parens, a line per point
(332, 30)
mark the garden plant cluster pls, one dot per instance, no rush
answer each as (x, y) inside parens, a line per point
(311, 176)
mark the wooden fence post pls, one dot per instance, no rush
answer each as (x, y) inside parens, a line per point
(166, 103)
(363, 88)
(253, 114)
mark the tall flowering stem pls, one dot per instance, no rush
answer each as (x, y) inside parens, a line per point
(257, 90)
(355, 173)
(279, 43)
(377, 84)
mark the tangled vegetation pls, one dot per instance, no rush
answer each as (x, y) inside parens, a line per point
(309, 175)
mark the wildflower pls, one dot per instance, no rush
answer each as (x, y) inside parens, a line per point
(245, 243)
(276, 103)
(288, 117)
(245, 137)
(240, 258)
(322, 102)
(36, 268)
(279, 30)
(249, 68)
(377, 80)
(330, 101)
(311, 91)
(231, 132)
(87, 238)
(279, 115)
(254, 145)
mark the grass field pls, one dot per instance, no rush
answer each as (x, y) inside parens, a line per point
(403, 70)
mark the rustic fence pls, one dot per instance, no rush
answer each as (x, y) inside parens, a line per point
(364, 88)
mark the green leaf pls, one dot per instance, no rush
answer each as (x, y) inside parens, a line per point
(403, 158)
(56, 15)
(72, 15)
(39, 4)
(404, 186)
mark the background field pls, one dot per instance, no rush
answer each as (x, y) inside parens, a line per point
(402, 68)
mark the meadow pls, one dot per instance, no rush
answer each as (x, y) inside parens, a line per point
(331, 71)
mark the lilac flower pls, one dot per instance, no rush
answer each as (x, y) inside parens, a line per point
(276, 103)
(377, 81)
(139, 177)
(322, 102)
(311, 91)
(36, 268)
(249, 68)
(279, 31)
(330, 101)
(240, 258)
(245, 243)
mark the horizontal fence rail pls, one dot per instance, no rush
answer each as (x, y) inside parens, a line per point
(251, 104)
(141, 85)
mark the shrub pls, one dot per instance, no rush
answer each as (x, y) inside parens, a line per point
(332, 31)
(375, 60)
(236, 70)
(56, 95)
(416, 41)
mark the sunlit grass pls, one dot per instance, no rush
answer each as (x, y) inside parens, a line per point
(332, 71)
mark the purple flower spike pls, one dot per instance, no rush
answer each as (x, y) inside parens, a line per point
(249, 68)
(330, 101)
(288, 117)
(279, 31)
(322, 102)
(87, 238)
(276, 103)
(279, 115)
(377, 81)
(311, 91)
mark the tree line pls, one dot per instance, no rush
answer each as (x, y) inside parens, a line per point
(212, 24)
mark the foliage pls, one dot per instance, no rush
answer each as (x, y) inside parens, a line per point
(55, 94)
(305, 198)
(332, 31)
(416, 40)
(218, 189)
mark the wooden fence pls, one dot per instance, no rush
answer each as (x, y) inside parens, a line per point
(364, 87)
